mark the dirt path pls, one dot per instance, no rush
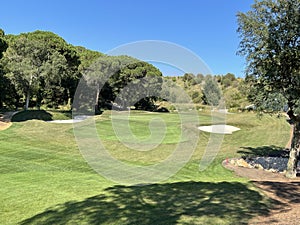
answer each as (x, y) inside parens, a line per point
(286, 192)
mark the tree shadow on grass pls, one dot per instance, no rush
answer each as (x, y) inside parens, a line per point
(266, 151)
(183, 202)
(289, 191)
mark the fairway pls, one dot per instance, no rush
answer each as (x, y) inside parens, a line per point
(150, 113)
(45, 179)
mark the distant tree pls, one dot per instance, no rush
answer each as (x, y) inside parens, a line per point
(218, 78)
(227, 80)
(270, 38)
(211, 92)
(199, 78)
(189, 78)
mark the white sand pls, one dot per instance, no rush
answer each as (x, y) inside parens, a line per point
(219, 129)
(75, 120)
(64, 121)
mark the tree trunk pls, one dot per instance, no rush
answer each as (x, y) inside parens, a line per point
(96, 106)
(39, 99)
(294, 152)
(28, 93)
(27, 100)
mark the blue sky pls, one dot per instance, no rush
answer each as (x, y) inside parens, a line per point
(206, 27)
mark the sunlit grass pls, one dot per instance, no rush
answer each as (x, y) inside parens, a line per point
(45, 179)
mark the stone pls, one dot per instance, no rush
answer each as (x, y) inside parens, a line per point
(242, 163)
(258, 166)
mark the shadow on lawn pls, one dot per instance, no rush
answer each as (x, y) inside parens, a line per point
(289, 191)
(271, 151)
(161, 204)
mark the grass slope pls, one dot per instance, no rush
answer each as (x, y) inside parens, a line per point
(45, 180)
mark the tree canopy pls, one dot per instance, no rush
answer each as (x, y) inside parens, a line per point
(41, 68)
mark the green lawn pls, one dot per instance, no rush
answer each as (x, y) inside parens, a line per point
(45, 180)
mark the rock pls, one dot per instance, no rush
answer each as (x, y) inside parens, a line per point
(273, 170)
(258, 166)
(242, 163)
(232, 162)
(272, 164)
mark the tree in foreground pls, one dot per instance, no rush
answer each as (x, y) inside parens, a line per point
(270, 38)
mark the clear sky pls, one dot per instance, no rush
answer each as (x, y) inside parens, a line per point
(206, 27)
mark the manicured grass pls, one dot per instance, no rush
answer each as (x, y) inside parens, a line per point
(139, 127)
(45, 180)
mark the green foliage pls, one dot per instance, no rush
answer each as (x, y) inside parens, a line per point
(3, 43)
(38, 63)
(235, 90)
(233, 98)
(197, 97)
(270, 41)
(227, 80)
(8, 92)
(43, 69)
(130, 81)
(189, 78)
(211, 92)
(86, 57)
(199, 78)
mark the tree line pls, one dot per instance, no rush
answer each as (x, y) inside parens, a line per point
(41, 69)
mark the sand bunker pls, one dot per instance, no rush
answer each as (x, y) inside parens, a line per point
(4, 125)
(219, 129)
(64, 121)
(75, 120)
